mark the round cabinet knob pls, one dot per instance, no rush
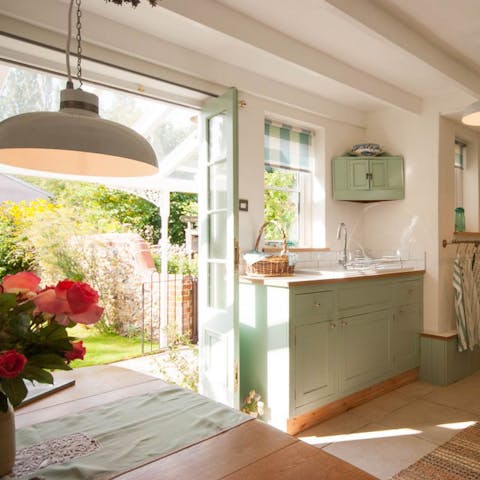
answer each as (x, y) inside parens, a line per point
(332, 325)
(317, 304)
(344, 324)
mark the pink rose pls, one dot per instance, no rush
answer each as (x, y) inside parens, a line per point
(69, 300)
(78, 351)
(11, 363)
(49, 301)
(20, 282)
(92, 315)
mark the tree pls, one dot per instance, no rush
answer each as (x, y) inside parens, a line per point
(279, 204)
(101, 205)
(180, 204)
(28, 91)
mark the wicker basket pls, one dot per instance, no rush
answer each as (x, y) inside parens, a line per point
(275, 265)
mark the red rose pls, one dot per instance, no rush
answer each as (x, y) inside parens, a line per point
(11, 363)
(81, 297)
(78, 351)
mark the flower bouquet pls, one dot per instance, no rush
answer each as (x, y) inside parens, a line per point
(33, 330)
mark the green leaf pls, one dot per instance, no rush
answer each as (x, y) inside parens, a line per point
(38, 374)
(3, 402)
(51, 361)
(53, 332)
(19, 324)
(7, 301)
(15, 390)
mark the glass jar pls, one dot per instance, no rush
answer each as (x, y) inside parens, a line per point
(459, 219)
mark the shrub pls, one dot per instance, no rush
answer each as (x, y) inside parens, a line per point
(179, 262)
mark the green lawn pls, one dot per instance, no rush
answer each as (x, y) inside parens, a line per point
(104, 347)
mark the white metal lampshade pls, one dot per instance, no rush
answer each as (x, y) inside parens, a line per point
(471, 115)
(75, 140)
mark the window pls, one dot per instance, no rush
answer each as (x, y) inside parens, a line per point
(288, 166)
(460, 155)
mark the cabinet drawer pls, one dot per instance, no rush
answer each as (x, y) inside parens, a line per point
(313, 307)
(406, 293)
(353, 300)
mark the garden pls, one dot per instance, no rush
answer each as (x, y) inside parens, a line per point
(101, 236)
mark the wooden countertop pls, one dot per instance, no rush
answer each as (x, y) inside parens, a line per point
(309, 277)
(253, 450)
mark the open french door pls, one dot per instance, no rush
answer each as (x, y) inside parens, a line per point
(218, 251)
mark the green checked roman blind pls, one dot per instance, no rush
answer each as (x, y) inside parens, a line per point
(288, 147)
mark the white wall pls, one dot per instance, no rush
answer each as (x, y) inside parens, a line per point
(426, 216)
(410, 225)
(331, 138)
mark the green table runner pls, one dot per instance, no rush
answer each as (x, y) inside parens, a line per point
(129, 432)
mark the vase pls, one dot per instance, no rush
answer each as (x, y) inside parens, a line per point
(7, 441)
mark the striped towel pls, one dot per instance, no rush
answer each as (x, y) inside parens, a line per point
(459, 305)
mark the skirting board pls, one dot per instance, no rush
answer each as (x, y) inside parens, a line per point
(307, 420)
(440, 361)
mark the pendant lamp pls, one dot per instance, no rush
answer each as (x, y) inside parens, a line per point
(75, 140)
(471, 115)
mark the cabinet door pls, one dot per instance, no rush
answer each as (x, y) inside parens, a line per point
(406, 337)
(315, 370)
(365, 349)
(358, 174)
(387, 175)
(379, 173)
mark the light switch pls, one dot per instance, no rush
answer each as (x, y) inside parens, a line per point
(243, 205)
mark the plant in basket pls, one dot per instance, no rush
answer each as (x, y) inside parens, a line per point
(33, 330)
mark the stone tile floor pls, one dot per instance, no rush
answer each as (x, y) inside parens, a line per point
(388, 434)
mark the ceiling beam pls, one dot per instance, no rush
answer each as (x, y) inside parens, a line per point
(108, 41)
(386, 25)
(237, 25)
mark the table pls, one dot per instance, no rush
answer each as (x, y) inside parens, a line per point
(252, 450)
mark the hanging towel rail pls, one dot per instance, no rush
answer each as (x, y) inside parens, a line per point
(454, 241)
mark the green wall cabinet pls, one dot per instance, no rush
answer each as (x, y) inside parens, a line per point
(367, 179)
(305, 346)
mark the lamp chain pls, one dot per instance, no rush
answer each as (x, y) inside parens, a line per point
(79, 42)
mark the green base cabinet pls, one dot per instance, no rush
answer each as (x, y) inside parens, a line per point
(305, 346)
(368, 179)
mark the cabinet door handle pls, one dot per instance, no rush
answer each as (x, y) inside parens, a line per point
(317, 304)
(332, 325)
(344, 324)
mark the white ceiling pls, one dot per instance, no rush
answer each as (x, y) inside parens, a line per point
(360, 54)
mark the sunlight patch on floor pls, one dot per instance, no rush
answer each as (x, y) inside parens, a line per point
(456, 425)
(395, 432)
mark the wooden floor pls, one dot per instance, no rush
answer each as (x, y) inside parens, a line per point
(250, 451)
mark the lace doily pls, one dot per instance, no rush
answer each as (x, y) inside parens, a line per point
(51, 452)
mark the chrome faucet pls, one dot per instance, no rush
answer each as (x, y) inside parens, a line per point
(343, 260)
